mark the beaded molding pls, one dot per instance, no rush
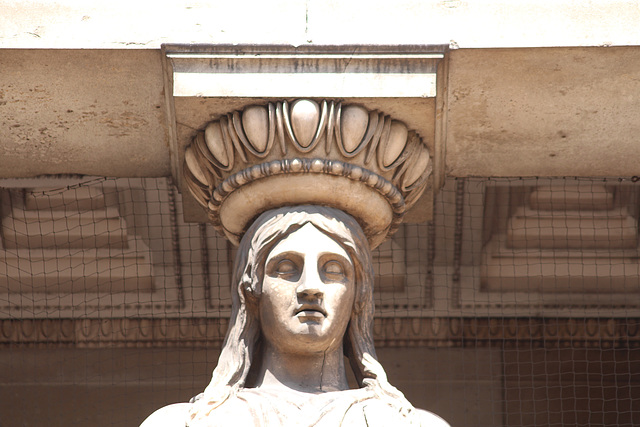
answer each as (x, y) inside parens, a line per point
(309, 166)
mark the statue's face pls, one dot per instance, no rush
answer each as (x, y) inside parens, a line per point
(307, 293)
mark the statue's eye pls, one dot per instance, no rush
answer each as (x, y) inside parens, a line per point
(286, 267)
(333, 268)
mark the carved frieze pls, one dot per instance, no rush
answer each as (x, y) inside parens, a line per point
(388, 332)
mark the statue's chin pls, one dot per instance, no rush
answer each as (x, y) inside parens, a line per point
(299, 333)
(309, 342)
(307, 336)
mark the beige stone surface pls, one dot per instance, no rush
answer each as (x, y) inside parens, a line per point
(94, 112)
(368, 206)
(72, 387)
(86, 271)
(511, 112)
(541, 386)
(440, 379)
(63, 241)
(579, 238)
(488, 23)
(76, 247)
(123, 24)
(580, 275)
(595, 387)
(572, 197)
(586, 229)
(102, 388)
(475, 24)
(543, 112)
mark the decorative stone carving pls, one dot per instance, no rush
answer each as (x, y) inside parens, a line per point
(328, 183)
(485, 276)
(329, 147)
(302, 298)
(387, 332)
(577, 238)
(69, 241)
(95, 247)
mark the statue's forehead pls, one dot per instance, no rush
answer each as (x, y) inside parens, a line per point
(308, 240)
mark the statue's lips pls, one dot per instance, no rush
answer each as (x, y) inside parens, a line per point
(311, 311)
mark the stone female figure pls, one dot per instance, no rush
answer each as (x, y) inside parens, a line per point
(302, 298)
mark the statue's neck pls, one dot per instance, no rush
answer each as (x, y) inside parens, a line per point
(309, 373)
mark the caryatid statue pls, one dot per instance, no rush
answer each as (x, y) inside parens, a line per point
(306, 189)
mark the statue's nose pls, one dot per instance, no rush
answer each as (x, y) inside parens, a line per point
(310, 286)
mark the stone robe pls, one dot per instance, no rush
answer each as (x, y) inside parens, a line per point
(271, 408)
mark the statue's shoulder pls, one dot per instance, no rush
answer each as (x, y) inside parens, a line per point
(175, 415)
(233, 412)
(429, 419)
(378, 413)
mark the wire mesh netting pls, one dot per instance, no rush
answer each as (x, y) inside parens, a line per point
(517, 305)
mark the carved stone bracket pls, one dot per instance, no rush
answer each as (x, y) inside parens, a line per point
(367, 97)
(267, 156)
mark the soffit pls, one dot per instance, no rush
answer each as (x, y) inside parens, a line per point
(91, 112)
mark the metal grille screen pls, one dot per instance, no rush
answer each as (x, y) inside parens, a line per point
(518, 305)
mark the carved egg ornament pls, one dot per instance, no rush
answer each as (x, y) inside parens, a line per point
(305, 117)
(255, 121)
